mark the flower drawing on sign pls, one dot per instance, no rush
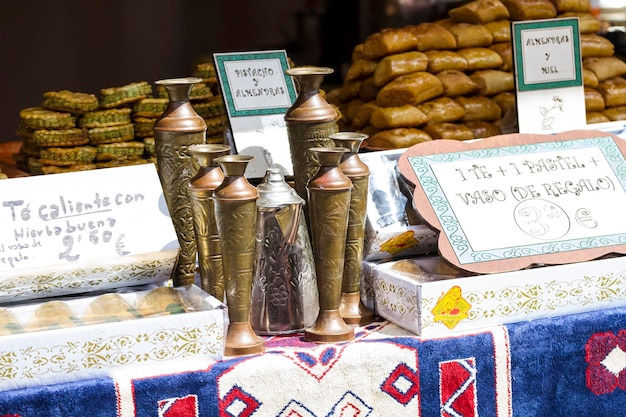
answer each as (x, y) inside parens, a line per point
(546, 122)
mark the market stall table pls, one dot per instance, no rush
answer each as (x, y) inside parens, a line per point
(565, 366)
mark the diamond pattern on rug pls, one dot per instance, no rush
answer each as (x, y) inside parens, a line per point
(238, 403)
(295, 409)
(605, 354)
(457, 385)
(179, 407)
(316, 362)
(350, 405)
(402, 384)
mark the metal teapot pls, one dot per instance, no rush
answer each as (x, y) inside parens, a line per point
(284, 287)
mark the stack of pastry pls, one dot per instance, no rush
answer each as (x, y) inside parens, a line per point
(453, 78)
(73, 131)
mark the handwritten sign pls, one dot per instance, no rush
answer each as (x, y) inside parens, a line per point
(548, 75)
(78, 217)
(511, 201)
(257, 94)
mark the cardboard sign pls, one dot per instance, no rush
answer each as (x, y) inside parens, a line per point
(257, 94)
(77, 217)
(508, 202)
(548, 75)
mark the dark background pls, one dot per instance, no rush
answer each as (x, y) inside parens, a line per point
(87, 45)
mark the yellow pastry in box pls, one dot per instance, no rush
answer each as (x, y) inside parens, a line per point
(109, 308)
(9, 324)
(161, 301)
(54, 314)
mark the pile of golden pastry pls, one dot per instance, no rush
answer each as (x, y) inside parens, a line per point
(76, 131)
(453, 78)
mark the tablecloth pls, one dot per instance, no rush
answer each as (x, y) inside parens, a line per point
(566, 366)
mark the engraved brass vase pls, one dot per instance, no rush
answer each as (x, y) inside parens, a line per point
(310, 121)
(178, 128)
(235, 214)
(201, 188)
(284, 288)
(329, 204)
(352, 308)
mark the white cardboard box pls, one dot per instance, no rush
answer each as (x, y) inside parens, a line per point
(185, 341)
(84, 231)
(429, 304)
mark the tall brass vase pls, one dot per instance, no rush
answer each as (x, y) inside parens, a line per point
(329, 203)
(310, 121)
(236, 213)
(201, 188)
(178, 128)
(352, 308)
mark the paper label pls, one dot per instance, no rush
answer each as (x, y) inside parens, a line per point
(257, 93)
(75, 217)
(548, 69)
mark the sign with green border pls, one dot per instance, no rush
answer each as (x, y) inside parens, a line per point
(547, 54)
(255, 83)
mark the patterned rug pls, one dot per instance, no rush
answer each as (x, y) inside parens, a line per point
(567, 366)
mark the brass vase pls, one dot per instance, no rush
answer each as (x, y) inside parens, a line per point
(201, 188)
(329, 204)
(310, 121)
(178, 128)
(235, 213)
(352, 308)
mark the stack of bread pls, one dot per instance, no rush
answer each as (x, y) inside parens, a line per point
(74, 131)
(453, 78)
